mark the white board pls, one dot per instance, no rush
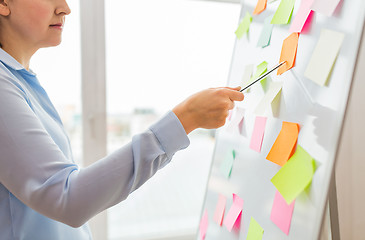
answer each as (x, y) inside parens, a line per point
(319, 110)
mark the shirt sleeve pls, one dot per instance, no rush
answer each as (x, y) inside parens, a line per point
(34, 169)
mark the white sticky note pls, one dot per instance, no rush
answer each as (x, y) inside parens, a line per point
(326, 7)
(324, 56)
(247, 73)
(274, 90)
(237, 116)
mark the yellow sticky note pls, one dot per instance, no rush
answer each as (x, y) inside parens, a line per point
(255, 231)
(324, 56)
(288, 52)
(284, 12)
(244, 26)
(295, 175)
(284, 144)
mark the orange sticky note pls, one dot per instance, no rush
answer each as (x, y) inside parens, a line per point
(260, 6)
(284, 144)
(289, 52)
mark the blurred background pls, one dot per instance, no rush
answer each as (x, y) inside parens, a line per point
(150, 55)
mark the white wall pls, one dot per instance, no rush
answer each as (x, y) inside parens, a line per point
(350, 169)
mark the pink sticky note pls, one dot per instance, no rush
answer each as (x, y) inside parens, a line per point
(281, 213)
(234, 212)
(302, 16)
(229, 115)
(219, 209)
(258, 133)
(204, 225)
(326, 7)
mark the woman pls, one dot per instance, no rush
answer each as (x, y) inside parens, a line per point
(43, 193)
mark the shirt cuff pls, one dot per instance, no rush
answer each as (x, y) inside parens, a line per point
(170, 133)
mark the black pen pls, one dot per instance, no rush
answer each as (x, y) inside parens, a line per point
(262, 76)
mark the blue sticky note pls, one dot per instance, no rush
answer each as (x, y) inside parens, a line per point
(265, 35)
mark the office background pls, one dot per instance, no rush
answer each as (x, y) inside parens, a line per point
(117, 56)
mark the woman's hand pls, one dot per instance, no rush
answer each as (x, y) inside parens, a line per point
(208, 108)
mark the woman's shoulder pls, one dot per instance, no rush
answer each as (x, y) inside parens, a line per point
(9, 82)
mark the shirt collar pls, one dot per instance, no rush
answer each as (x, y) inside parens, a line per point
(9, 60)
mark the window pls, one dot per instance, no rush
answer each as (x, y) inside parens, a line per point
(158, 53)
(58, 70)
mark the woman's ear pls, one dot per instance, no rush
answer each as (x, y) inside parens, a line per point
(4, 8)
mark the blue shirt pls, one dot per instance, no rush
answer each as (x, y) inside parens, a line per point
(43, 193)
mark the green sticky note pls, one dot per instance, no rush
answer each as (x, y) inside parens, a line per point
(284, 12)
(295, 175)
(244, 26)
(255, 231)
(265, 35)
(261, 69)
(227, 164)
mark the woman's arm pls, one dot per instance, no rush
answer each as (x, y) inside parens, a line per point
(34, 169)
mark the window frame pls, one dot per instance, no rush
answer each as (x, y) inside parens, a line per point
(93, 78)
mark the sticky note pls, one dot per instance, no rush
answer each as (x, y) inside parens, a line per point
(260, 69)
(326, 7)
(255, 231)
(295, 175)
(233, 213)
(236, 118)
(258, 133)
(281, 213)
(266, 32)
(244, 26)
(302, 16)
(219, 209)
(260, 6)
(324, 56)
(284, 144)
(227, 164)
(242, 128)
(271, 94)
(247, 73)
(204, 225)
(288, 52)
(284, 12)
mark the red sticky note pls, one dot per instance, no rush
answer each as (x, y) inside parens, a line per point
(258, 133)
(288, 52)
(302, 16)
(234, 212)
(260, 6)
(219, 209)
(281, 213)
(204, 225)
(284, 144)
